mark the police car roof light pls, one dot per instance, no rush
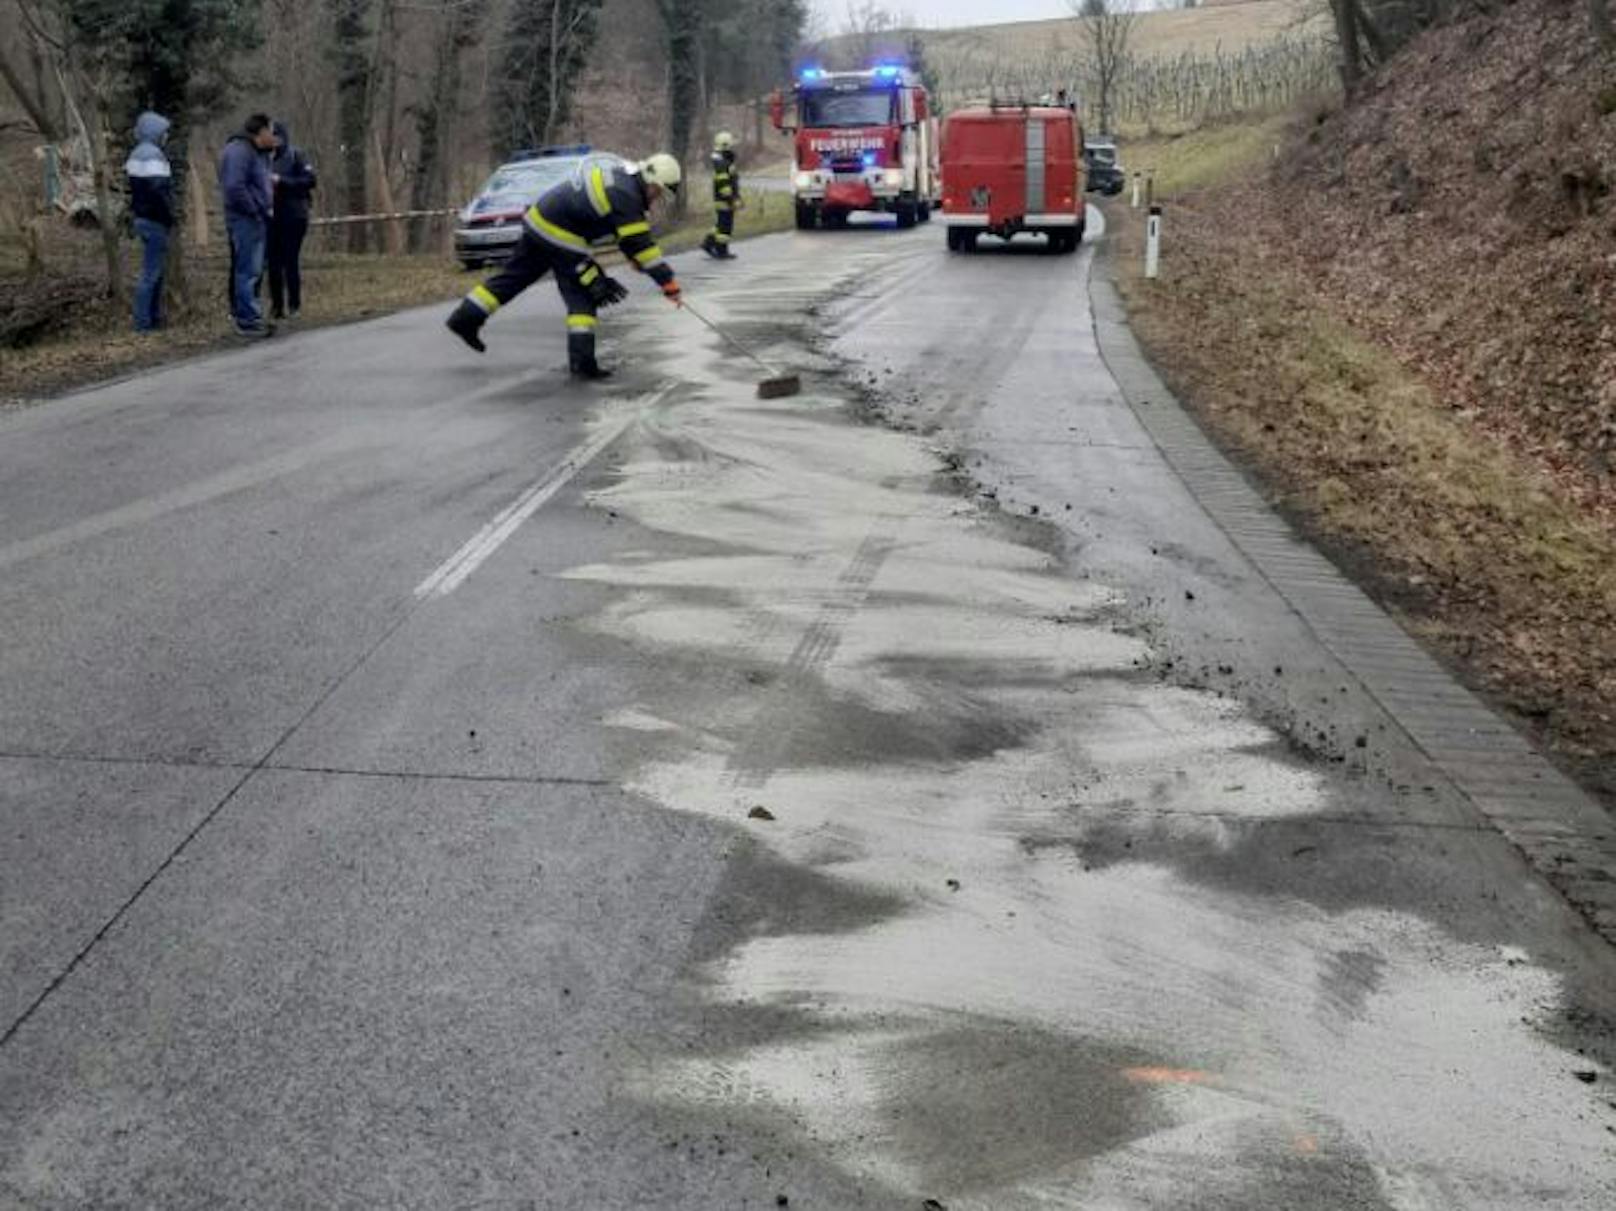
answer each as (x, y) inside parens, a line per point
(546, 153)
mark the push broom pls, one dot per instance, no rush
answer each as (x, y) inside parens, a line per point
(777, 385)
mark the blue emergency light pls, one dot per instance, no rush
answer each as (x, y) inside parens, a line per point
(869, 159)
(888, 70)
(812, 73)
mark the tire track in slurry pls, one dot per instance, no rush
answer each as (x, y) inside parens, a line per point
(1054, 1010)
(760, 754)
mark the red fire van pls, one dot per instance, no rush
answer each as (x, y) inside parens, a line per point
(1013, 168)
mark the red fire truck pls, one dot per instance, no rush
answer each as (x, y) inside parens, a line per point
(1012, 168)
(865, 140)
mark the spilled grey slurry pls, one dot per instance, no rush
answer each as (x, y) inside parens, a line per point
(1107, 943)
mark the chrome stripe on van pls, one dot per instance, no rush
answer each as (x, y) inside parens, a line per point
(1035, 165)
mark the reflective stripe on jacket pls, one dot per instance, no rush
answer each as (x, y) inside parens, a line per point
(726, 177)
(600, 202)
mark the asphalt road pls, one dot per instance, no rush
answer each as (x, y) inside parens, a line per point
(426, 783)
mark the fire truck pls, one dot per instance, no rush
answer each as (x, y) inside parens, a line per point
(864, 140)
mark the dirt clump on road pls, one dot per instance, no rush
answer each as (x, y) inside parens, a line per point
(1406, 325)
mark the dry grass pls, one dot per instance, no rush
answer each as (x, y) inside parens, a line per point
(1201, 158)
(765, 211)
(337, 288)
(1478, 547)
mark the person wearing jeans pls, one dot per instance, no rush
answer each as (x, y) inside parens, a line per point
(151, 202)
(248, 205)
(293, 178)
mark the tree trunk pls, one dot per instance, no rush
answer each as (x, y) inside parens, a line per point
(353, 100)
(392, 229)
(1599, 16)
(35, 105)
(1350, 64)
(95, 148)
(553, 84)
(111, 243)
(682, 20)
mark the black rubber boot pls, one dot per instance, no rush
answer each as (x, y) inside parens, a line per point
(709, 245)
(466, 321)
(581, 358)
(724, 253)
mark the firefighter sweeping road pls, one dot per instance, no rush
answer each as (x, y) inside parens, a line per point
(431, 782)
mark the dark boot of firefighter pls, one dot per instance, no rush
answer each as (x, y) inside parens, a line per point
(726, 197)
(605, 200)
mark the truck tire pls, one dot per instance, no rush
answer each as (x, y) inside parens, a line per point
(961, 239)
(925, 212)
(806, 216)
(906, 212)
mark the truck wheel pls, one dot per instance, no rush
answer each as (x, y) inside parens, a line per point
(805, 216)
(835, 220)
(955, 244)
(925, 212)
(905, 210)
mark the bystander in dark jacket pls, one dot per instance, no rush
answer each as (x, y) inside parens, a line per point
(244, 186)
(151, 204)
(293, 179)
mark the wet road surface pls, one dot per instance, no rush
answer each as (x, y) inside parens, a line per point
(426, 783)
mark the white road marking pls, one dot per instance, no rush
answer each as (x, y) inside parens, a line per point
(454, 571)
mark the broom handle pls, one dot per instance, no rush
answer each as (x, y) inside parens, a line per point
(737, 344)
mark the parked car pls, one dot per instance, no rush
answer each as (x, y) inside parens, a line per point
(1105, 171)
(490, 226)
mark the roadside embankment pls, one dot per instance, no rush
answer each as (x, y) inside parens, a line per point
(1406, 329)
(92, 341)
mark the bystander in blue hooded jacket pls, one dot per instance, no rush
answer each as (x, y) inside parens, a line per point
(296, 176)
(151, 180)
(151, 206)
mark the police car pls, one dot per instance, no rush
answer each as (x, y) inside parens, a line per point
(490, 226)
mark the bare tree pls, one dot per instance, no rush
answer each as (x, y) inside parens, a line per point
(869, 32)
(457, 30)
(1105, 27)
(354, 82)
(1599, 15)
(1347, 16)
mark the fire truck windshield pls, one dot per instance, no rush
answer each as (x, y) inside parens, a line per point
(871, 107)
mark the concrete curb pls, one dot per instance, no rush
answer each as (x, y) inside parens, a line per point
(1564, 834)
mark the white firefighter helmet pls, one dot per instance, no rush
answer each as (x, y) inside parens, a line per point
(723, 141)
(661, 169)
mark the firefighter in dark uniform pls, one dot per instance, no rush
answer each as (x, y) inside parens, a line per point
(601, 201)
(726, 197)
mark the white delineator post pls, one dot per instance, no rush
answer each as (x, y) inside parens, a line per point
(1153, 227)
(1136, 190)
